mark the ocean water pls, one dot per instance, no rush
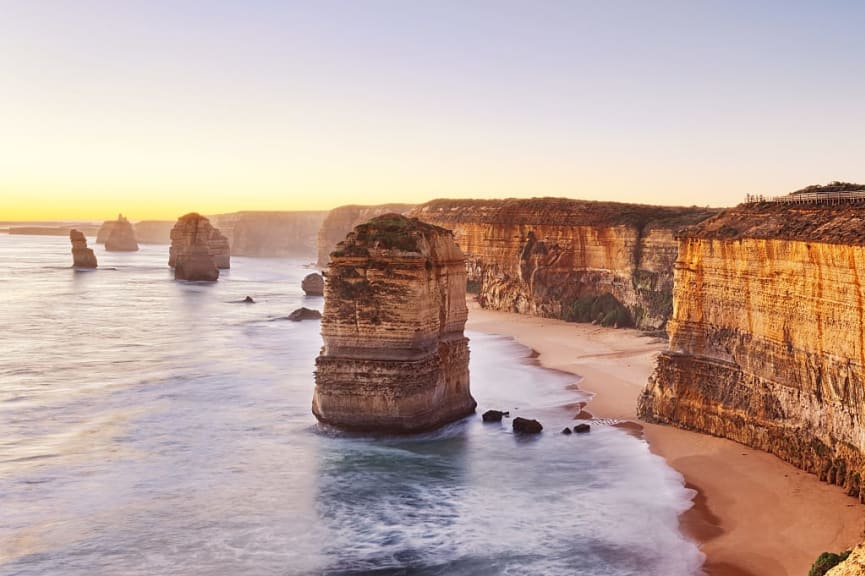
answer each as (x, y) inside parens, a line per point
(149, 427)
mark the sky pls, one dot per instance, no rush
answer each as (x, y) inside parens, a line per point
(157, 108)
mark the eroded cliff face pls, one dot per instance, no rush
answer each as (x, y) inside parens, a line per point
(555, 257)
(394, 355)
(342, 220)
(766, 341)
(271, 233)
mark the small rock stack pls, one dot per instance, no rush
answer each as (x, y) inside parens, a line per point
(313, 285)
(82, 256)
(122, 236)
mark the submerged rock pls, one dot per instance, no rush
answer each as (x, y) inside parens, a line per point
(582, 428)
(527, 426)
(82, 256)
(313, 285)
(567, 431)
(122, 236)
(304, 314)
(394, 357)
(248, 300)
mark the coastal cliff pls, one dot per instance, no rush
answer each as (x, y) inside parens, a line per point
(606, 262)
(340, 221)
(767, 339)
(394, 356)
(271, 233)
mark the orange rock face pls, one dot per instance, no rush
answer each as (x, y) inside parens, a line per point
(766, 339)
(82, 256)
(394, 355)
(192, 233)
(599, 262)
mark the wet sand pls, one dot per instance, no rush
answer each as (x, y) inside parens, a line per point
(753, 514)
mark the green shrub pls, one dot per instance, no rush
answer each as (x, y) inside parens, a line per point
(602, 309)
(826, 561)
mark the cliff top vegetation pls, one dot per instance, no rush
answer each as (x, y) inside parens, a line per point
(562, 212)
(842, 223)
(835, 186)
(387, 232)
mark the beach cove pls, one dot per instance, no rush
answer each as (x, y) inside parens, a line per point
(753, 514)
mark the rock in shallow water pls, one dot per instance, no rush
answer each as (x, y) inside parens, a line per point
(304, 314)
(313, 285)
(582, 428)
(494, 415)
(527, 426)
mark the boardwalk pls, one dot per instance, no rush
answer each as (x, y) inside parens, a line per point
(810, 198)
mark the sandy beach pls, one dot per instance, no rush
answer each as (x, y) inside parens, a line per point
(753, 514)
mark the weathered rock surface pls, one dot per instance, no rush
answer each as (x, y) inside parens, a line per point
(342, 220)
(313, 284)
(304, 314)
(82, 256)
(122, 236)
(195, 264)
(582, 428)
(192, 232)
(271, 233)
(394, 356)
(571, 259)
(767, 340)
(854, 565)
(527, 426)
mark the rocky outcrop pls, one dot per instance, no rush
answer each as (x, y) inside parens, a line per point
(122, 236)
(394, 356)
(313, 285)
(767, 339)
(576, 260)
(193, 232)
(82, 256)
(526, 426)
(271, 233)
(304, 313)
(340, 221)
(195, 264)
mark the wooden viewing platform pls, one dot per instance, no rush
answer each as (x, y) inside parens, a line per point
(809, 197)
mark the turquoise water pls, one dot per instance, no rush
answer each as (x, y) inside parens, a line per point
(155, 427)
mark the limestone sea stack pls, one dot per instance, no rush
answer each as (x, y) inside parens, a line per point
(194, 230)
(82, 256)
(122, 237)
(394, 357)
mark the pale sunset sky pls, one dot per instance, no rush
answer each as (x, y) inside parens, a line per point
(155, 108)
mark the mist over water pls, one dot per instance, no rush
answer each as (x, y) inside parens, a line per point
(155, 427)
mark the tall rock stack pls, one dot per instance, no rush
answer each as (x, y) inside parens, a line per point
(394, 357)
(194, 230)
(82, 256)
(122, 237)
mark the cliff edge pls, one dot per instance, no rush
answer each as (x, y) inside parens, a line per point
(767, 338)
(604, 262)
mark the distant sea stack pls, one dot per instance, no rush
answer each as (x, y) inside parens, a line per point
(767, 340)
(604, 262)
(82, 256)
(122, 237)
(340, 221)
(394, 357)
(193, 232)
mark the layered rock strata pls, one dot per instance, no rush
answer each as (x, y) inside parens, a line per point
(578, 260)
(195, 264)
(394, 357)
(82, 256)
(194, 231)
(342, 220)
(767, 339)
(122, 236)
(271, 233)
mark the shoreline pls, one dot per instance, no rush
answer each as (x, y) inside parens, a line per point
(753, 514)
